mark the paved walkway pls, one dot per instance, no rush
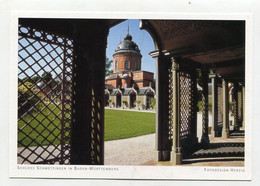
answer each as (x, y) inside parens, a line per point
(140, 151)
(131, 151)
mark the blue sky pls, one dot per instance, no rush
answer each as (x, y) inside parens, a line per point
(141, 37)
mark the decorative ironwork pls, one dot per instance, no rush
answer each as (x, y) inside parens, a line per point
(44, 97)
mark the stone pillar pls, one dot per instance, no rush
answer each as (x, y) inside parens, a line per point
(115, 101)
(145, 101)
(176, 156)
(235, 99)
(225, 129)
(163, 143)
(214, 129)
(205, 113)
(129, 101)
(243, 113)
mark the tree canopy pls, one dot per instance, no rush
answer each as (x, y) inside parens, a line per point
(108, 65)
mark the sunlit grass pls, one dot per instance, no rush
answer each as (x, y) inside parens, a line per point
(44, 128)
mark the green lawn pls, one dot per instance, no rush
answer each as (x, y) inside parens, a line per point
(32, 128)
(125, 124)
(118, 125)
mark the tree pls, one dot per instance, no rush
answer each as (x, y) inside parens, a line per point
(48, 80)
(153, 103)
(108, 65)
(35, 78)
(137, 103)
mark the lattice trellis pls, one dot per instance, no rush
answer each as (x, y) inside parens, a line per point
(240, 106)
(44, 97)
(185, 103)
(95, 131)
(170, 105)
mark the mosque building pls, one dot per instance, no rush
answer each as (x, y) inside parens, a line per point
(129, 86)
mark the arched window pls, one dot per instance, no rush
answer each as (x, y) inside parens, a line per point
(116, 65)
(126, 64)
(136, 65)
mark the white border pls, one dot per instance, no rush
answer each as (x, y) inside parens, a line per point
(128, 172)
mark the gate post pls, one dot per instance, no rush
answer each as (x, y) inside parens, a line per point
(176, 155)
(163, 145)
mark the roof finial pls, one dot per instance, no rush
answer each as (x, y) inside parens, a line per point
(128, 26)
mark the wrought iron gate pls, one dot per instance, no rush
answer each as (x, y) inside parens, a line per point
(45, 77)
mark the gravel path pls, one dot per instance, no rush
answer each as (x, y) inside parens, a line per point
(131, 151)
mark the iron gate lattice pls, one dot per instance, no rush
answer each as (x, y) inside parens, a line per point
(45, 76)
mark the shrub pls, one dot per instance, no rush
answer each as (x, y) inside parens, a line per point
(125, 102)
(153, 102)
(27, 99)
(199, 105)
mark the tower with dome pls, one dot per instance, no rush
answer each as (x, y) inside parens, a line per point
(129, 84)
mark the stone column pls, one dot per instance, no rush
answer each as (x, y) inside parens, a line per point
(176, 156)
(214, 129)
(243, 113)
(129, 101)
(235, 99)
(163, 143)
(205, 112)
(115, 101)
(225, 129)
(145, 102)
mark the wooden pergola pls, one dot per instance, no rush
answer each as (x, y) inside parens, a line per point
(183, 47)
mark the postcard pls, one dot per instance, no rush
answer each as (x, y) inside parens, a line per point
(109, 96)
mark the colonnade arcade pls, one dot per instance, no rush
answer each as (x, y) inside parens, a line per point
(183, 50)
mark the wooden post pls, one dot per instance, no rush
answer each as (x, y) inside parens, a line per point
(176, 155)
(243, 113)
(214, 129)
(87, 143)
(205, 116)
(163, 144)
(235, 98)
(225, 130)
